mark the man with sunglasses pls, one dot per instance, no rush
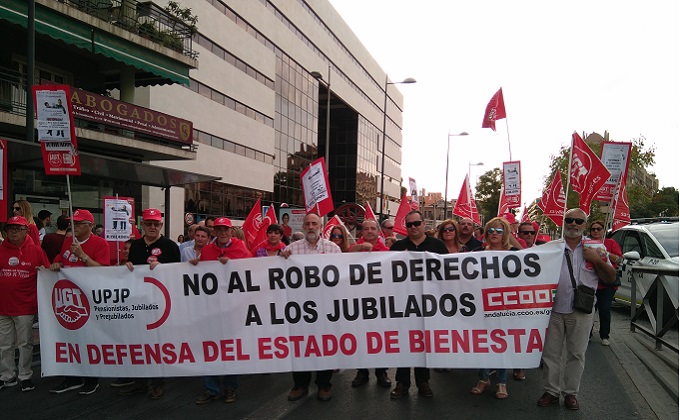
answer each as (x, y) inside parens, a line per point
(387, 228)
(566, 324)
(527, 232)
(88, 250)
(153, 249)
(20, 258)
(416, 240)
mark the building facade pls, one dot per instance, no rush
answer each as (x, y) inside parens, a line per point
(255, 84)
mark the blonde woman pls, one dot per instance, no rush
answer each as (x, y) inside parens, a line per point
(23, 208)
(447, 231)
(340, 237)
(496, 238)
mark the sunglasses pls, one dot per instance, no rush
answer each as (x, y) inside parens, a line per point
(449, 229)
(495, 230)
(527, 232)
(595, 229)
(337, 235)
(388, 227)
(17, 209)
(417, 223)
(569, 220)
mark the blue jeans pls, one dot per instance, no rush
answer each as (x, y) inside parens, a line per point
(603, 306)
(501, 375)
(212, 383)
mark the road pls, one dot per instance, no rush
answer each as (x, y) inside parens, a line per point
(607, 391)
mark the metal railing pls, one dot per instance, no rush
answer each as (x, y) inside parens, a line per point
(655, 304)
(12, 91)
(144, 18)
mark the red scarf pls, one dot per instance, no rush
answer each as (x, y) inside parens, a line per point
(270, 248)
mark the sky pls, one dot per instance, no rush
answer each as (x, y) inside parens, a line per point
(584, 66)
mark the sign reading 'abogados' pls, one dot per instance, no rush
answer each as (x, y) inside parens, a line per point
(101, 109)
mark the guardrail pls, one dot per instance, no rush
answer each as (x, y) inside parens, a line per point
(660, 303)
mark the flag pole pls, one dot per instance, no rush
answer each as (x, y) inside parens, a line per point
(507, 130)
(566, 194)
(70, 207)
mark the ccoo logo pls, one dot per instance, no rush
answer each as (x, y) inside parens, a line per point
(70, 305)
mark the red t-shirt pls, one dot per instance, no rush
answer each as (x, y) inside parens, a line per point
(379, 246)
(236, 249)
(94, 247)
(19, 277)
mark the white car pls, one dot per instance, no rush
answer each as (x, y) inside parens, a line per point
(649, 245)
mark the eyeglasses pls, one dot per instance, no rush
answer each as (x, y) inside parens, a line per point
(495, 230)
(388, 227)
(569, 220)
(15, 229)
(154, 224)
(527, 232)
(337, 235)
(449, 229)
(17, 209)
(595, 229)
(417, 223)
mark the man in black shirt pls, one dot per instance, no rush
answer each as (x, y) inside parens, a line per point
(467, 235)
(415, 241)
(153, 249)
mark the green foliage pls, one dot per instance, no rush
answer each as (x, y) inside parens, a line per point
(488, 192)
(184, 15)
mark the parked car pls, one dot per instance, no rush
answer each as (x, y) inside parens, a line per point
(650, 244)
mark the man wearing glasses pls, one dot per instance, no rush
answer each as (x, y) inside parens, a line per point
(87, 250)
(527, 232)
(416, 240)
(566, 324)
(20, 258)
(387, 228)
(153, 249)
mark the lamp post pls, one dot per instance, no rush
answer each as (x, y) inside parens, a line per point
(470, 165)
(408, 80)
(446, 183)
(318, 76)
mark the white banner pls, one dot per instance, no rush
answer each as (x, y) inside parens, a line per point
(512, 182)
(307, 312)
(117, 214)
(616, 158)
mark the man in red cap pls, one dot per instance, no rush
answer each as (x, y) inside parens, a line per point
(87, 250)
(222, 249)
(20, 258)
(153, 249)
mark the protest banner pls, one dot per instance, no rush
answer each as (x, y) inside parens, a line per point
(306, 312)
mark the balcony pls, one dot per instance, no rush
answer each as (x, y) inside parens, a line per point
(103, 124)
(144, 18)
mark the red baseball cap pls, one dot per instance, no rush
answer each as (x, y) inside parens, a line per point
(81, 215)
(222, 221)
(152, 214)
(17, 220)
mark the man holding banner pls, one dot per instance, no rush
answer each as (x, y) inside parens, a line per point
(566, 322)
(416, 241)
(312, 244)
(86, 250)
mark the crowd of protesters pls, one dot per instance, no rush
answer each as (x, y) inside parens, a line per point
(26, 244)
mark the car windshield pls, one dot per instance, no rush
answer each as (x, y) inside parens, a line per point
(667, 235)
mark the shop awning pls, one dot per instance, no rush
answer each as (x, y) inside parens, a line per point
(81, 35)
(28, 155)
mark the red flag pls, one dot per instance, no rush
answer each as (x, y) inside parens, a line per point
(315, 188)
(525, 215)
(621, 209)
(495, 110)
(466, 206)
(368, 213)
(400, 218)
(553, 201)
(335, 221)
(252, 224)
(261, 238)
(587, 173)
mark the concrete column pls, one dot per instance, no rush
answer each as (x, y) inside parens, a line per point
(127, 84)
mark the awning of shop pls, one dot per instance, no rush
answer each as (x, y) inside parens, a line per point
(28, 155)
(81, 35)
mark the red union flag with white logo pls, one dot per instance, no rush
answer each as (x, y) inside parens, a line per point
(621, 209)
(335, 221)
(587, 173)
(261, 237)
(553, 201)
(466, 206)
(252, 224)
(495, 110)
(316, 189)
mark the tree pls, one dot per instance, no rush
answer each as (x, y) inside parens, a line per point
(488, 192)
(664, 203)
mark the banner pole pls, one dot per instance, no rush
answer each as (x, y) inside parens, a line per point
(566, 194)
(70, 207)
(117, 240)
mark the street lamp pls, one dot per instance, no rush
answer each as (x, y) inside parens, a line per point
(470, 165)
(446, 183)
(318, 76)
(408, 80)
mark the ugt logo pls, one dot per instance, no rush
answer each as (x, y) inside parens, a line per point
(70, 305)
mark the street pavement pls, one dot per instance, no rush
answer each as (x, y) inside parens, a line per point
(608, 390)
